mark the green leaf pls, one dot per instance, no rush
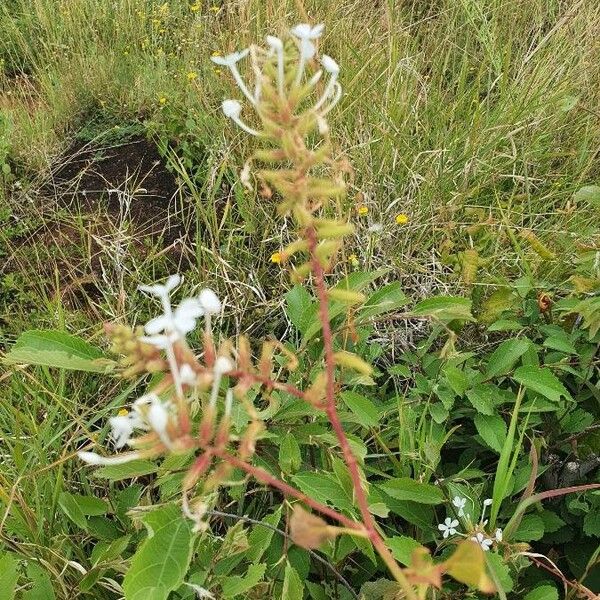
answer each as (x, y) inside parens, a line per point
(301, 308)
(542, 592)
(542, 381)
(8, 576)
(504, 358)
(444, 308)
(162, 560)
(290, 459)
(591, 523)
(324, 488)
(482, 398)
(405, 488)
(133, 468)
(236, 585)
(589, 194)
(560, 342)
(362, 407)
(58, 349)
(492, 430)
(496, 564)
(402, 548)
(390, 297)
(71, 508)
(42, 586)
(530, 529)
(293, 588)
(260, 537)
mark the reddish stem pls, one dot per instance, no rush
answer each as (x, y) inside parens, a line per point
(268, 383)
(287, 490)
(331, 410)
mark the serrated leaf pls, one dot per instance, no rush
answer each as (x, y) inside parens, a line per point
(42, 586)
(402, 548)
(260, 537)
(362, 407)
(542, 592)
(591, 523)
(492, 430)
(236, 585)
(495, 563)
(444, 308)
(133, 468)
(324, 488)
(531, 529)
(58, 349)
(542, 381)
(8, 576)
(504, 358)
(482, 398)
(293, 588)
(162, 560)
(405, 488)
(301, 308)
(290, 458)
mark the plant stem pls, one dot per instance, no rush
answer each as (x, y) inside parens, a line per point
(331, 410)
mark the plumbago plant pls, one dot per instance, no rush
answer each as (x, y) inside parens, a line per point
(203, 415)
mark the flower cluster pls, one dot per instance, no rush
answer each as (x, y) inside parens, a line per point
(475, 533)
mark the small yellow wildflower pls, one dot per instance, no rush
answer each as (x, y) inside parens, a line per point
(195, 7)
(217, 53)
(353, 260)
(215, 9)
(217, 71)
(401, 219)
(276, 258)
(162, 100)
(123, 412)
(192, 75)
(362, 210)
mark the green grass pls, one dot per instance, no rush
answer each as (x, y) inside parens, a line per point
(475, 118)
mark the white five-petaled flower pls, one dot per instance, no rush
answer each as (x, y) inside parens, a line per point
(448, 527)
(162, 290)
(305, 31)
(460, 503)
(306, 34)
(123, 426)
(182, 321)
(484, 541)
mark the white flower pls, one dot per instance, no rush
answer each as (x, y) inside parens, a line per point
(448, 527)
(330, 65)
(460, 503)
(182, 321)
(305, 34)
(275, 43)
(233, 109)
(487, 502)
(123, 426)
(95, 459)
(209, 301)
(222, 365)
(498, 535)
(230, 60)
(332, 88)
(483, 541)
(304, 31)
(162, 291)
(187, 375)
(158, 417)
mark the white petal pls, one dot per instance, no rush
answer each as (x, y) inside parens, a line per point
(121, 430)
(187, 374)
(159, 341)
(156, 325)
(330, 65)
(95, 459)
(209, 301)
(172, 282)
(274, 42)
(454, 523)
(498, 535)
(442, 527)
(158, 417)
(487, 502)
(231, 108)
(223, 365)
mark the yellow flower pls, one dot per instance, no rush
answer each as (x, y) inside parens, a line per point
(276, 258)
(195, 7)
(123, 412)
(362, 210)
(217, 71)
(401, 219)
(215, 9)
(353, 260)
(162, 100)
(216, 53)
(192, 75)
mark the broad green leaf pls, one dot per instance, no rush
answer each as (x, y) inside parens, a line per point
(290, 458)
(42, 586)
(589, 194)
(390, 297)
(362, 407)
(293, 588)
(482, 398)
(133, 468)
(402, 548)
(457, 379)
(324, 488)
(162, 560)
(8, 576)
(58, 349)
(560, 342)
(260, 537)
(504, 358)
(301, 308)
(530, 529)
(496, 564)
(405, 488)
(591, 523)
(236, 585)
(492, 429)
(444, 308)
(542, 381)
(542, 592)
(71, 508)
(505, 325)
